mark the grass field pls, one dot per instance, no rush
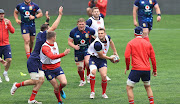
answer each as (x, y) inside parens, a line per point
(165, 39)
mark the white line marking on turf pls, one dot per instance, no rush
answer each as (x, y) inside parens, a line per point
(114, 29)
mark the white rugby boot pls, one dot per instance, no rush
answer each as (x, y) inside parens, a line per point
(82, 83)
(92, 95)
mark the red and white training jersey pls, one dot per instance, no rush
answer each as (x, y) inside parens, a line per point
(54, 49)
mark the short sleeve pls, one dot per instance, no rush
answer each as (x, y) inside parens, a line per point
(92, 31)
(89, 22)
(71, 35)
(37, 7)
(136, 3)
(97, 46)
(18, 7)
(44, 34)
(109, 37)
(155, 2)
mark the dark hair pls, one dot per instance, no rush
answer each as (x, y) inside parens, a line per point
(50, 34)
(44, 27)
(102, 29)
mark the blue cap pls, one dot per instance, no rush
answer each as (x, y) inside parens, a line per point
(138, 31)
(2, 11)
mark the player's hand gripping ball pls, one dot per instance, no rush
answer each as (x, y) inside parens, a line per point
(116, 59)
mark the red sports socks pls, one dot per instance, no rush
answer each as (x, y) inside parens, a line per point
(81, 74)
(57, 93)
(28, 54)
(104, 85)
(92, 82)
(131, 101)
(151, 100)
(20, 84)
(33, 95)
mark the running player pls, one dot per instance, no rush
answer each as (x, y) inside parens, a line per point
(98, 50)
(28, 11)
(79, 39)
(145, 18)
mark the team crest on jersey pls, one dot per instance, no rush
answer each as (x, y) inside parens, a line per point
(54, 48)
(150, 1)
(30, 7)
(144, 25)
(24, 31)
(82, 41)
(23, 7)
(49, 76)
(87, 35)
(142, 2)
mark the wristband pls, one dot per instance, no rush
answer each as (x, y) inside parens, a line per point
(47, 20)
(159, 14)
(35, 16)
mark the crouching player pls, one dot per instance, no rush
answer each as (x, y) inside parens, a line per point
(98, 50)
(51, 59)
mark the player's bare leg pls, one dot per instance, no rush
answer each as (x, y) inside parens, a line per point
(92, 82)
(130, 94)
(26, 38)
(32, 38)
(146, 34)
(8, 63)
(86, 59)
(63, 83)
(103, 72)
(89, 11)
(149, 93)
(80, 66)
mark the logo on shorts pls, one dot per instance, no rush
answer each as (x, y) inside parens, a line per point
(49, 76)
(24, 31)
(144, 25)
(23, 7)
(30, 7)
(87, 35)
(105, 64)
(34, 34)
(9, 52)
(76, 58)
(93, 62)
(61, 72)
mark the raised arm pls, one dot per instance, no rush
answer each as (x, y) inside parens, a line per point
(56, 23)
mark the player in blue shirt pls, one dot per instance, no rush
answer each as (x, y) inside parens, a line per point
(144, 9)
(33, 64)
(79, 39)
(28, 11)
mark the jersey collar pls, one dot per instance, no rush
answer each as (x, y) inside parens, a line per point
(49, 43)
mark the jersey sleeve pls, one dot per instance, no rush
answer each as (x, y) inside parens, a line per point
(89, 22)
(92, 31)
(71, 35)
(136, 3)
(109, 37)
(44, 35)
(18, 7)
(36, 8)
(155, 2)
(97, 46)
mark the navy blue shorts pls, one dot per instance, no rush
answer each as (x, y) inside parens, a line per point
(50, 74)
(135, 75)
(31, 29)
(145, 24)
(80, 56)
(34, 65)
(98, 62)
(6, 51)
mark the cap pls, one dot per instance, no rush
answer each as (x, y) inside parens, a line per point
(1, 11)
(138, 31)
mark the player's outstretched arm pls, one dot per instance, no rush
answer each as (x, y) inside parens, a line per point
(135, 15)
(158, 12)
(16, 16)
(56, 22)
(47, 17)
(113, 48)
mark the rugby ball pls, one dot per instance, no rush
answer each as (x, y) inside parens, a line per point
(116, 58)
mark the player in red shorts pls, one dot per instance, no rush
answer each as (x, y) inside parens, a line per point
(51, 59)
(101, 4)
(140, 51)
